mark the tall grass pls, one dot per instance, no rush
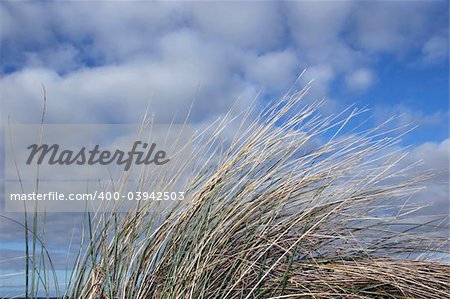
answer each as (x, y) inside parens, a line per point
(289, 207)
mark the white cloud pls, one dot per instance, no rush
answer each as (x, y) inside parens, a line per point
(257, 25)
(186, 66)
(322, 75)
(63, 58)
(166, 50)
(318, 22)
(106, 32)
(141, 50)
(435, 49)
(435, 157)
(407, 116)
(360, 80)
(392, 26)
(274, 70)
(252, 39)
(116, 93)
(317, 27)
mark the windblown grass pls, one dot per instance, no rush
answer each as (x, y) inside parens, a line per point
(272, 213)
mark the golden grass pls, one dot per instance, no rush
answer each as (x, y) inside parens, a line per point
(267, 215)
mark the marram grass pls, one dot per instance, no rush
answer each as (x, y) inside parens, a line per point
(289, 207)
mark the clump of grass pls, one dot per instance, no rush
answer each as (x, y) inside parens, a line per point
(272, 214)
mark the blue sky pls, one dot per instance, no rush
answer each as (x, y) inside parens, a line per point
(102, 61)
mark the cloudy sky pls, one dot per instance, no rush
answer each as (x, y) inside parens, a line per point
(101, 62)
